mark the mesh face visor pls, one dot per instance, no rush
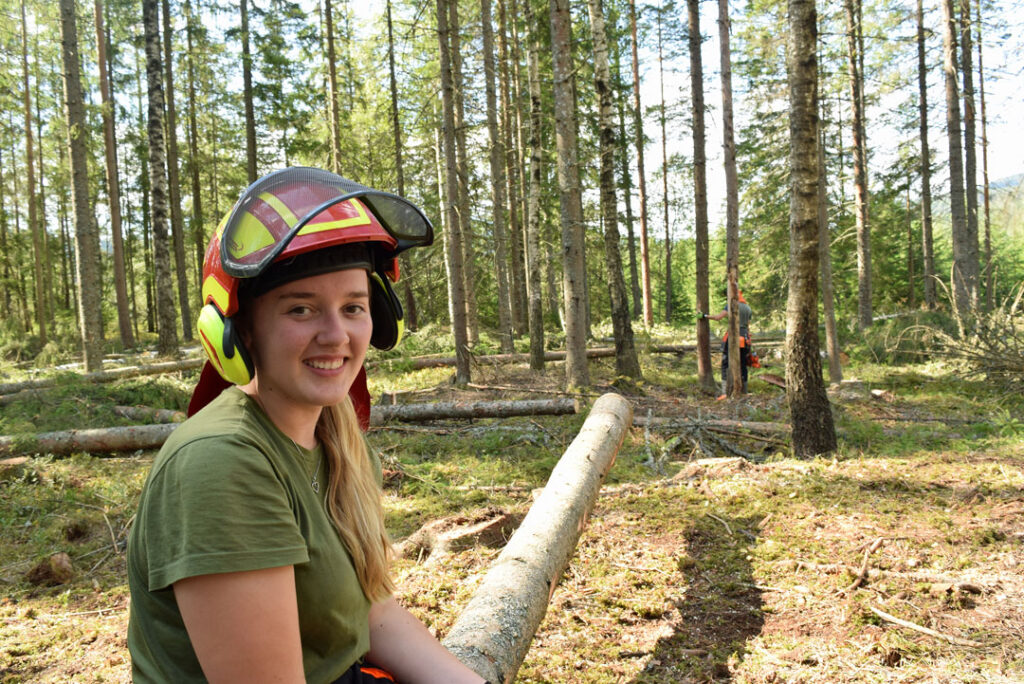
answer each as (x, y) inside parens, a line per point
(315, 203)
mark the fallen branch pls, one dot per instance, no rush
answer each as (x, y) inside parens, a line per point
(103, 376)
(493, 634)
(925, 630)
(413, 413)
(863, 574)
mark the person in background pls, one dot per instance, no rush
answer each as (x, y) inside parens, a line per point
(259, 551)
(745, 314)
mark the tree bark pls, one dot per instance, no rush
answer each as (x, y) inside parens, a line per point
(87, 256)
(498, 186)
(174, 184)
(35, 226)
(573, 266)
(732, 211)
(166, 325)
(860, 179)
(810, 412)
(963, 286)
(453, 246)
(638, 123)
(705, 373)
(533, 260)
(828, 306)
(100, 440)
(926, 165)
(250, 117)
(493, 633)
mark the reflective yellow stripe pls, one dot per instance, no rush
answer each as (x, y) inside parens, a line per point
(280, 208)
(248, 236)
(362, 219)
(220, 226)
(212, 289)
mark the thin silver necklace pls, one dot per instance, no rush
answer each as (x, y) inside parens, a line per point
(315, 482)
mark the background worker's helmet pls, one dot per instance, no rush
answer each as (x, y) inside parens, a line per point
(296, 223)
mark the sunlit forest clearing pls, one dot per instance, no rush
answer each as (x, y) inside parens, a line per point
(608, 181)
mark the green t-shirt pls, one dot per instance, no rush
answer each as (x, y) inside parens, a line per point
(230, 492)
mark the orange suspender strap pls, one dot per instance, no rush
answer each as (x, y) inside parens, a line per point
(376, 673)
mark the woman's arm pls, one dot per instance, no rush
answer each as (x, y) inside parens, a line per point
(244, 626)
(401, 644)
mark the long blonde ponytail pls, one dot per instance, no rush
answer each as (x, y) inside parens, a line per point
(354, 499)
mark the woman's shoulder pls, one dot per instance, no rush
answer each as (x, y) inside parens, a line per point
(229, 424)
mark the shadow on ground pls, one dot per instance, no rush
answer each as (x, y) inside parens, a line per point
(719, 605)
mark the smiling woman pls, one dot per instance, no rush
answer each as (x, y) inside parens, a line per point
(242, 567)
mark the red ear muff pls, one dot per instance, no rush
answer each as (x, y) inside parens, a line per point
(223, 345)
(386, 310)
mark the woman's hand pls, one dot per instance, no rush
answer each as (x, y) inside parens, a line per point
(244, 626)
(403, 646)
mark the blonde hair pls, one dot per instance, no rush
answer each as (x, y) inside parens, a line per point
(354, 498)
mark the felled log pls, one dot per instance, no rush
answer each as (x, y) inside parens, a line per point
(414, 413)
(104, 376)
(101, 440)
(150, 413)
(750, 425)
(419, 362)
(494, 632)
(132, 437)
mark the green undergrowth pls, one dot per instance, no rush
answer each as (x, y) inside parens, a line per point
(718, 570)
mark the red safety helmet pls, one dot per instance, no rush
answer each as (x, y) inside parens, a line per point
(295, 223)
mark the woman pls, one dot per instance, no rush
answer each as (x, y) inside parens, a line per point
(259, 552)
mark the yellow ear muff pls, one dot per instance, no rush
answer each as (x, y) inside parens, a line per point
(224, 346)
(388, 324)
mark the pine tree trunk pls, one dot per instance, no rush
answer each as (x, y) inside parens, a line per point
(124, 323)
(198, 229)
(810, 413)
(35, 226)
(5, 255)
(988, 273)
(828, 307)
(732, 212)
(250, 117)
(498, 198)
(453, 248)
(87, 256)
(970, 148)
(664, 178)
(174, 184)
(573, 269)
(165, 313)
(462, 160)
(926, 166)
(962, 285)
(533, 259)
(411, 317)
(509, 111)
(705, 373)
(860, 181)
(638, 123)
(626, 363)
(332, 89)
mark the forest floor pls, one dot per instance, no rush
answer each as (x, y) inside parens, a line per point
(691, 569)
